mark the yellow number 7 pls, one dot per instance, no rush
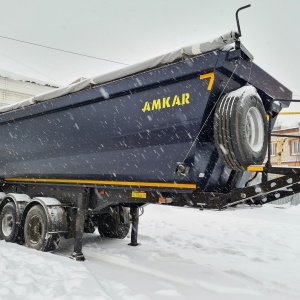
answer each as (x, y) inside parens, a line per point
(211, 77)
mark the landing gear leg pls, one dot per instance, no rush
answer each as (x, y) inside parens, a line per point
(77, 254)
(134, 211)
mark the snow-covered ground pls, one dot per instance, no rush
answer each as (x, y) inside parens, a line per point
(184, 254)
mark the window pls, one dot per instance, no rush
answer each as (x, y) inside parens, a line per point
(273, 150)
(295, 147)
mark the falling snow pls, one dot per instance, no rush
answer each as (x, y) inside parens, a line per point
(104, 93)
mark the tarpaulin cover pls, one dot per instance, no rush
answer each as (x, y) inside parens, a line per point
(180, 54)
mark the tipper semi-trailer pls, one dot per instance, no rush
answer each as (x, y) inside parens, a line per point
(179, 129)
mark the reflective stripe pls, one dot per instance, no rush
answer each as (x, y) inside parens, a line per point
(102, 182)
(255, 168)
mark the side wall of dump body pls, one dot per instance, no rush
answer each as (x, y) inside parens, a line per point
(134, 130)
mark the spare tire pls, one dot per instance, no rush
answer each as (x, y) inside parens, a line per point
(240, 129)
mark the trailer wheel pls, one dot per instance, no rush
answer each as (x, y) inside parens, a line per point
(36, 230)
(240, 128)
(108, 227)
(8, 223)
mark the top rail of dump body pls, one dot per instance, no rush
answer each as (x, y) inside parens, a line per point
(159, 61)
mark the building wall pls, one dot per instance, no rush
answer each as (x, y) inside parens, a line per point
(287, 157)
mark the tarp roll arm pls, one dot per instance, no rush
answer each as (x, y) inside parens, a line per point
(239, 33)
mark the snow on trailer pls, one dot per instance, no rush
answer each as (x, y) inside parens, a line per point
(179, 129)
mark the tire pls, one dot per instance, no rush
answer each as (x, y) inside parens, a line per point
(108, 227)
(36, 230)
(8, 223)
(240, 129)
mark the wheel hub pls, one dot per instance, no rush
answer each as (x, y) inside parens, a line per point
(254, 129)
(7, 224)
(35, 229)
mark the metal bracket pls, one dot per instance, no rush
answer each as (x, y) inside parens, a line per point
(182, 169)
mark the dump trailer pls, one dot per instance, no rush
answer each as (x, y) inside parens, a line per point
(179, 129)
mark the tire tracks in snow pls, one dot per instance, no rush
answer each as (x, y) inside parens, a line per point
(128, 264)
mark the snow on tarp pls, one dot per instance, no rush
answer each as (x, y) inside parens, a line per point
(244, 91)
(189, 51)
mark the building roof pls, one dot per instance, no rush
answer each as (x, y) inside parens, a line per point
(17, 77)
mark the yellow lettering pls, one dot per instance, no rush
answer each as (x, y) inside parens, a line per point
(176, 100)
(166, 102)
(146, 107)
(185, 98)
(156, 104)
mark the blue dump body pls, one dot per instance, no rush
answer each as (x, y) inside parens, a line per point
(132, 132)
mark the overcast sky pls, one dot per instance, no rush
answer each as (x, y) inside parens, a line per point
(129, 31)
